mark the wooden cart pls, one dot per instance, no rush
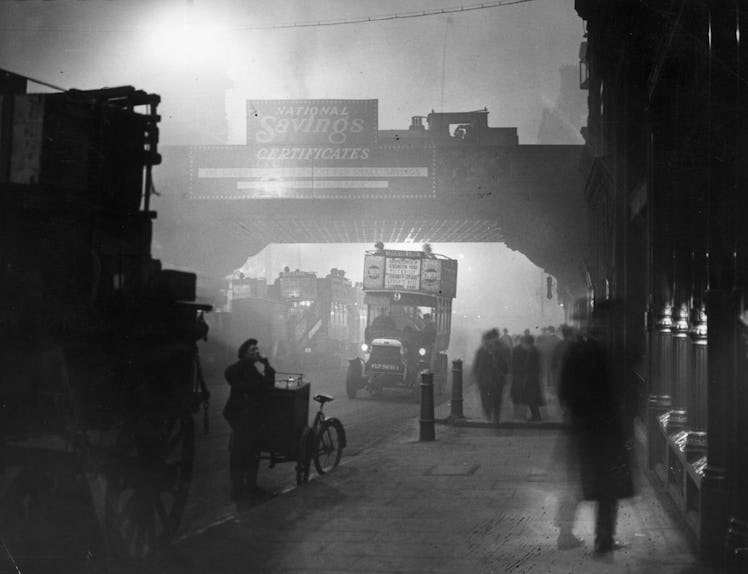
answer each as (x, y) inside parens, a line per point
(286, 436)
(98, 343)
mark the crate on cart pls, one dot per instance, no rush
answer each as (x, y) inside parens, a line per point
(285, 415)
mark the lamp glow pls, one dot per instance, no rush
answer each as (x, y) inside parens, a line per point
(185, 36)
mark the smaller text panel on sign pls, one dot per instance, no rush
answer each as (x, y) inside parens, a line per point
(402, 273)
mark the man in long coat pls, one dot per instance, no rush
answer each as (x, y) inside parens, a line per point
(526, 386)
(597, 437)
(490, 370)
(249, 377)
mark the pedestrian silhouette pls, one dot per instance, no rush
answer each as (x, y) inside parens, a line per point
(249, 378)
(596, 444)
(547, 349)
(526, 386)
(489, 370)
(559, 352)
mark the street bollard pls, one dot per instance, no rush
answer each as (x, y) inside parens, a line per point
(455, 411)
(427, 406)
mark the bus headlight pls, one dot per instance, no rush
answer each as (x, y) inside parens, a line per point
(422, 351)
(364, 347)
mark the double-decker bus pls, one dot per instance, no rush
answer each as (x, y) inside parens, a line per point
(408, 301)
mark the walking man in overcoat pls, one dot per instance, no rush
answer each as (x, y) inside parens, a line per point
(526, 386)
(489, 370)
(597, 431)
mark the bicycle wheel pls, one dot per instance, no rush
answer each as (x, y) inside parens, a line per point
(328, 446)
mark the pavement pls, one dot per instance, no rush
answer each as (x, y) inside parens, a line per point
(480, 498)
(510, 417)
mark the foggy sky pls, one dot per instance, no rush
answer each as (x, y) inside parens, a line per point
(504, 58)
(203, 58)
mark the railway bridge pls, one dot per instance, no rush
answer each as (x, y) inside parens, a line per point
(318, 171)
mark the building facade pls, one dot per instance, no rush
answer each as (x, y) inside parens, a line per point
(666, 189)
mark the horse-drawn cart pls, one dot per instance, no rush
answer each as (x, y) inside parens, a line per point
(98, 344)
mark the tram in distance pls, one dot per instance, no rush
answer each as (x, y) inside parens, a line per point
(305, 321)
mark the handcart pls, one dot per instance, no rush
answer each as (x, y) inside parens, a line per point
(285, 434)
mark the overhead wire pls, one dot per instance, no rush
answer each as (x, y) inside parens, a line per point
(385, 17)
(298, 25)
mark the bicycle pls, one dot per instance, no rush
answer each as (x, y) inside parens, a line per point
(325, 439)
(285, 432)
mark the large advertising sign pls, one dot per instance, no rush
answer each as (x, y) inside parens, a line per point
(243, 172)
(311, 149)
(410, 271)
(402, 273)
(351, 124)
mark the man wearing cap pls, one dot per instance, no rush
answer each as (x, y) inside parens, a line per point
(249, 377)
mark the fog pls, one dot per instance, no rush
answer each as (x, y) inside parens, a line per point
(207, 58)
(496, 286)
(518, 60)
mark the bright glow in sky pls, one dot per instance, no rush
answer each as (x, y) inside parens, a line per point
(185, 37)
(205, 66)
(506, 59)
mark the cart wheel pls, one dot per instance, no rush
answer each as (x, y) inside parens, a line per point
(147, 485)
(304, 462)
(48, 522)
(328, 446)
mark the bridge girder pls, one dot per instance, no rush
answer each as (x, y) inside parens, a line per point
(541, 215)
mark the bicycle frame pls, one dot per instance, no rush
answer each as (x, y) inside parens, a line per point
(319, 419)
(321, 444)
(328, 438)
